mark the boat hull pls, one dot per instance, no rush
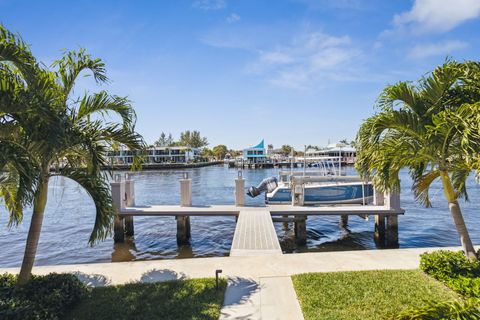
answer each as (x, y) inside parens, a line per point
(330, 193)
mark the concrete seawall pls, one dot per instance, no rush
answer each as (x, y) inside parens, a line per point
(245, 267)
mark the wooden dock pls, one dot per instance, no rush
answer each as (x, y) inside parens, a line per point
(254, 233)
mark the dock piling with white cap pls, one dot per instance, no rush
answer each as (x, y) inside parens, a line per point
(118, 199)
(183, 222)
(240, 190)
(129, 202)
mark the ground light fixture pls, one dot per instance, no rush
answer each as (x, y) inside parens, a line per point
(217, 272)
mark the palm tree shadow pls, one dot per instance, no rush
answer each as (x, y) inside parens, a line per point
(92, 280)
(240, 292)
(156, 275)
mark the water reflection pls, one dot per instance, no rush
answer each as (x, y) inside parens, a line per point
(124, 251)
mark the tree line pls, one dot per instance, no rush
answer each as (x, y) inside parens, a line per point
(192, 139)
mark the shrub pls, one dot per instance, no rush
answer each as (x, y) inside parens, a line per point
(454, 270)
(454, 310)
(444, 265)
(458, 273)
(44, 297)
(469, 287)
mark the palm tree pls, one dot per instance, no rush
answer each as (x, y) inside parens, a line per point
(42, 126)
(429, 128)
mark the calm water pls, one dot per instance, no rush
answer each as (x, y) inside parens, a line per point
(70, 215)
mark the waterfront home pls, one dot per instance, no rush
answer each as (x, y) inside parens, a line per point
(277, 155)
(346, 153)
(255, 154)
(157, 155)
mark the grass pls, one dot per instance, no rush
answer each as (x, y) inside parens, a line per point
(366, 294)
(183, 299)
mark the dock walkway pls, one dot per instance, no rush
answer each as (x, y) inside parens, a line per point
(255, 234)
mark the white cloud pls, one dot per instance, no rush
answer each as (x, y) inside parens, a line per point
(306, 60)
(233, 18)
(301, 59)
(436, 16)
(209, 4)
(275, 57)
(425, 50)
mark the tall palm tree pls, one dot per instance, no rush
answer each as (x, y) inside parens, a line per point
(42, 125)
(428, 127)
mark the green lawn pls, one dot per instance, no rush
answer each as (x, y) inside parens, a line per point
(183, 299)
(365, 294)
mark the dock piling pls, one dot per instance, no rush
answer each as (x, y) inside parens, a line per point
(298, 194)
(183, 230)
(393, 202)
(386, 226)
(343, 221)
(392, 231)
(379, 200)
(185, 191)
(240, 190)
(378, 197)
(300, 228)
(183, 222)
(130, 202)
(380, 228)
(118, 194)
(285, 223)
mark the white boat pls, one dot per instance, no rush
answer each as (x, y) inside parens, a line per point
(327, 185)
(335, 191)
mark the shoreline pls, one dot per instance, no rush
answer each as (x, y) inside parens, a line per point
(163, 166)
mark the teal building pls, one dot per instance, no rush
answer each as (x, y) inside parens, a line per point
(255, 154)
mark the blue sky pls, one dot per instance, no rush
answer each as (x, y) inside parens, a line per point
(292, 72)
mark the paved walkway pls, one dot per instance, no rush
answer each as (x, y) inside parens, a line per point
(259, 286)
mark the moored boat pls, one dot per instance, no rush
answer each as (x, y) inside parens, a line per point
(324, 186)
(335, 192)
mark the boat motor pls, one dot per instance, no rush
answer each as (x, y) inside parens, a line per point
(267, 185)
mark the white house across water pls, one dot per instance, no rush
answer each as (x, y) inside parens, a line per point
(157, 155)
(347, 154)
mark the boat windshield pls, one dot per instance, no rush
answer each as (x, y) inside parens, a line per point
(317, 167)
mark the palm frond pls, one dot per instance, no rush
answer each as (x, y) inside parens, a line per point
(421, 186)
(14, 51)
(102, 103)
(402, 94)
(73, 63)
(97, 187)
(19, 179)
(436, 86)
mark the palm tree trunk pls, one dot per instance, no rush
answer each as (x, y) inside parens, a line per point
(34, 232)
(458, 217)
